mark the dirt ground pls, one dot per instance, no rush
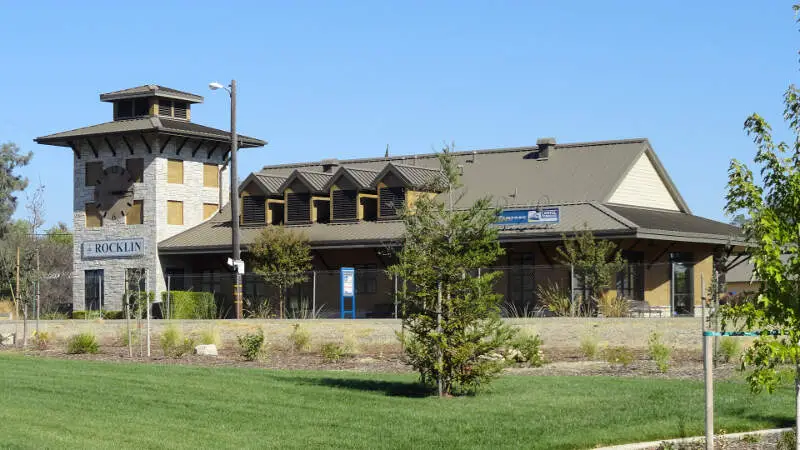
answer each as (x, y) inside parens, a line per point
(559, 363)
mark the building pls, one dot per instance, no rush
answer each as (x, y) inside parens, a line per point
(143, 177)
(350, 211)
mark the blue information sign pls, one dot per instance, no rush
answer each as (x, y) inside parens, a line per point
(348, 279)
(528, 216)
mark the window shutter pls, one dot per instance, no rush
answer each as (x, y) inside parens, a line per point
(181, 110)
(299, 208)
(391, 201)
(209, 209)
(93, 217)
(344, 205)
(254, 209)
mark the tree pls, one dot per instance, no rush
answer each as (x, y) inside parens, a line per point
(452, 313)
(282, 257)
(772, 208)
(595, 262)
(10, 182)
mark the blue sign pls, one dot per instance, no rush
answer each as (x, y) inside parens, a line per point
(528, 216)
(348, 280)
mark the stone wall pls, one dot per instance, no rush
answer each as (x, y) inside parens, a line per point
(562, 334)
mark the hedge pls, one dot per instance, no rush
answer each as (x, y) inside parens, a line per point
(190, 305)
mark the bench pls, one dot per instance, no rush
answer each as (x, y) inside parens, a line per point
(641, 308)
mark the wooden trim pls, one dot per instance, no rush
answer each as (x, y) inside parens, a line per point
(128, 144)
(164, 145)
(146, 144)
(213, 149)
(178, 152)
(94, 150)
(111, 147)
(196, 149)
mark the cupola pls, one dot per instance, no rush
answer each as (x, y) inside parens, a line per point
(151, 100)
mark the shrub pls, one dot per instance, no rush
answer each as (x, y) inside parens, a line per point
(173, 344)
(258, 308)
(787, 440)
(41, 339)
(54, 316)
(589, 347)
(92, 315)
(300, 339)
(252, 345)
(530, 348)
(190, 305)
(619, 355)
(82, 343)
(555, 299)
(332, 352)
(611, 305)
(658, 351)
(211, 336)
(122, 337)
(729, 348)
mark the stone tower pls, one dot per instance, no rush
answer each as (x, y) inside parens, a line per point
(145, 176)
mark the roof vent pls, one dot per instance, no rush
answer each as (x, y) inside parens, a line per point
(543, 146)
(329, 165)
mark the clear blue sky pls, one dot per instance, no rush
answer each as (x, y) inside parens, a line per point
(319, 79)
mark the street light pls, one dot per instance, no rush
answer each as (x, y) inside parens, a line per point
(236, 263)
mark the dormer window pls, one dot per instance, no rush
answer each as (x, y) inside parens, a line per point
(392, 201)
(135, 107)
(298, 207)
(254, 209)
(345, 204)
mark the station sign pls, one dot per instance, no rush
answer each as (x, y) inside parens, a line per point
(539, 216)
(113, 248)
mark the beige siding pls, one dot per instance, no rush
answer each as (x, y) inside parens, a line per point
(643, 186)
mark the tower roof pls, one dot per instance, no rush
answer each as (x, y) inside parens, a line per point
(151, 90)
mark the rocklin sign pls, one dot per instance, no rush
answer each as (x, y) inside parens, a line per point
(114, 248)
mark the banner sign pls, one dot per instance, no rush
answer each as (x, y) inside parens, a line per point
(540, 216)
(113, 248)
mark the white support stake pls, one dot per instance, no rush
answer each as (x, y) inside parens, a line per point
(708, 367)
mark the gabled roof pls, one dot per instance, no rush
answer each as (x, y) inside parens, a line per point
(413, 176)
(362, 178)
(151, 90)
(315, 181)
(162, 125)
(268, 184)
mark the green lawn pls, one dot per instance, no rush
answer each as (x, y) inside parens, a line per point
(48, 403)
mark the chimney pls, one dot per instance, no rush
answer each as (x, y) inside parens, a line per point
(329, 165)
(543, 146)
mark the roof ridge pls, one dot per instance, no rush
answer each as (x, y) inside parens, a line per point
(392, 159)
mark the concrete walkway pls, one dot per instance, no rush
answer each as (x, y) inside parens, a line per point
(656, 444)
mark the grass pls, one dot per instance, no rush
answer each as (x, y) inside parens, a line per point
(50, 403)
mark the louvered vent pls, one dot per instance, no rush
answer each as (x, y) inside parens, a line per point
(164, 107)
(181, 110)
(141, 107)
(392, 201)
(124, 109)
(253, 210)
(299, 208)
(344, 205)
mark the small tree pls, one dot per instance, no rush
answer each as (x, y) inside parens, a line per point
(451, 314)
(282, 257)
(595, 262)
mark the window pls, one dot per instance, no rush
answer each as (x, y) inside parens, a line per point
(174, 213)
(135, 167)
(181, 110)
(298, 207)
(209, 209)
(135, 214)
(392, 201)
(93, 217)
(93, 290)
(137, 107)
(344, 205)
(175, 171)
(141, 107)
(124, 109)
(369, 208)
(276, 211)
(322, 210)
(254, 209)
(164, 107)
(210, 175)
(630, 281)
(211, 281)
(174, 278)
(366, 278)
(94, 170)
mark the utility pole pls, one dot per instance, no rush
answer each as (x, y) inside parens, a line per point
(237, 284)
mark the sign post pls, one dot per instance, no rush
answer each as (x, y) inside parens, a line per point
(348, 280)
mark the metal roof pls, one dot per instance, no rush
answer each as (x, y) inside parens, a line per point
(158, 124)
(315, 181)
(151, 90)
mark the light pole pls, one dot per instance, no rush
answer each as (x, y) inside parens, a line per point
(237, 264)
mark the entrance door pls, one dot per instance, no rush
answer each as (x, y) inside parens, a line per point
(682, 292)
(93, 289)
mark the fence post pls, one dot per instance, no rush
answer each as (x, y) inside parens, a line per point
(314, 294)
(708, 369)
